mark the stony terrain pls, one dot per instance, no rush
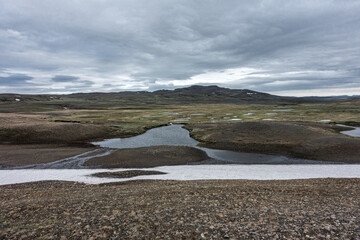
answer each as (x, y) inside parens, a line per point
(296, 209)
(148, 157)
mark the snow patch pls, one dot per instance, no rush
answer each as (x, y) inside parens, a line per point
(187, 172)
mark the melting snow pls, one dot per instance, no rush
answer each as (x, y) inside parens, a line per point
(187, 172)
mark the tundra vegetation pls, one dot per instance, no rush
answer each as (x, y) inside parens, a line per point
(213, 116)
(45, 128)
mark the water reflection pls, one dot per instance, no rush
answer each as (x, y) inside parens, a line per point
(175, 135)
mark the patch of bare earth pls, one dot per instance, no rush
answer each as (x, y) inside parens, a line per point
(296, 209)
(126, 174)
(298, 139)
(148, 157)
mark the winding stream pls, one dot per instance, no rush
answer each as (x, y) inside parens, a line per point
(248, 165)
(174, 135)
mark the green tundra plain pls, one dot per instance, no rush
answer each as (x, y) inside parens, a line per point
(45, 128)
(247, 119)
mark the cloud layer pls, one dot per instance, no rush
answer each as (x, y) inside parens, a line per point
(283, 47)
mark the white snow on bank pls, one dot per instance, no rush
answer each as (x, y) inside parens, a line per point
(189, 172)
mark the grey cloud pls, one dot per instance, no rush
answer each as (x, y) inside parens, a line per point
(176, 40)
(85, 83)
(154, 87)
(15, 79)
(72, 83)
(64, 78)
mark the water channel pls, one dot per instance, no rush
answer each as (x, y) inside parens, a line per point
(173, 135)
(248, 165)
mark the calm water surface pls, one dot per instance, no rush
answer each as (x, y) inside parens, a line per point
(175, 135)
(354, 133)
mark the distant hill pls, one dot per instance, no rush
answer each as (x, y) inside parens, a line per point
(142, 99)
(194, 94)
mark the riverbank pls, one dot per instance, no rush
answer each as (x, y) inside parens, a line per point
(27, 154)
(182, 209)
(306, 140)
(146, 157)
(286, 142)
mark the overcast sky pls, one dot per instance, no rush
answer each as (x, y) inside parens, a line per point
(294, 48)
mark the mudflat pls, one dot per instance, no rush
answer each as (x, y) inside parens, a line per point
(148, 157)
(298, 139)
(296, 209)
(20, 155)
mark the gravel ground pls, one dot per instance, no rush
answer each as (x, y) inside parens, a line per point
(296, 209)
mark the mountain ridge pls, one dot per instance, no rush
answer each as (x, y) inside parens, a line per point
(195, 94)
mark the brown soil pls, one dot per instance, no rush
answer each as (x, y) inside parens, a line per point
(16, 128)
(351, 123)
(296, 209)
(53, 133)
(149, 157)
(126, 174)
(298, 139)
(20, 155)
(40, 128)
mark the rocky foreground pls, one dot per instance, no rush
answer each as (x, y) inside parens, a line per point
(296, 209)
